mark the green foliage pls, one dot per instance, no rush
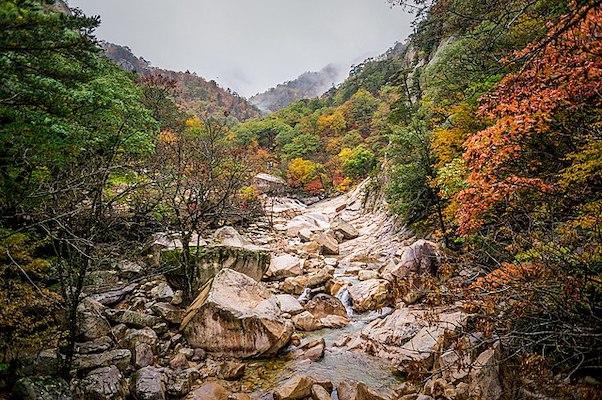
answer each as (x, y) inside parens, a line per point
(359, 163)
(73, 105)
(266, 132)
(301, 146)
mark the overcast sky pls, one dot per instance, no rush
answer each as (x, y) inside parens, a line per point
(250, 45)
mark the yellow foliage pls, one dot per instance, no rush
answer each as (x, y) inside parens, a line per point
(168, 137)
(194, 122)
(302, 171)
(332, 124)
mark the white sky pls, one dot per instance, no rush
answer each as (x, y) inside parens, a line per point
(250, 45)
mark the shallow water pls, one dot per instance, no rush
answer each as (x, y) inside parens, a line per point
(338, 364)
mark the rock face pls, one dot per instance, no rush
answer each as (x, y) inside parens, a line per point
(409, 337)
(323, 305)
(369, 295)
(227, 249)
(238, 316)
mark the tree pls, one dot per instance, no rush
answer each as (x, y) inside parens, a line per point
(357, 162)
(69, 121)
(198, 175)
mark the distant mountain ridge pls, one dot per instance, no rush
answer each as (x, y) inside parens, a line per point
(306, 86)
(195, 93)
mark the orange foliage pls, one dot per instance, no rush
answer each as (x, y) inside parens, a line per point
(564, 74)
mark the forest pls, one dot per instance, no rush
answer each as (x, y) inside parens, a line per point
(436, 218)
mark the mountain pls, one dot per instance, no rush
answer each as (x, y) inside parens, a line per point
(195, 93)
(306, 86)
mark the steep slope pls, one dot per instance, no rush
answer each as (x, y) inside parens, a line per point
(194, 92)
(306, 86)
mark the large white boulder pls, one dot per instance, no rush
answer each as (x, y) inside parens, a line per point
(237, 316)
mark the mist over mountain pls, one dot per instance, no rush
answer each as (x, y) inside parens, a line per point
(306, 86)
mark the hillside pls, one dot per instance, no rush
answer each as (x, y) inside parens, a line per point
(194, 93)
(308, 85)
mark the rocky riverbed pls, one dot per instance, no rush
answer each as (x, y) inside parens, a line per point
(319, 301)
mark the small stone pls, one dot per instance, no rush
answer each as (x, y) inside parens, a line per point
(231, 370)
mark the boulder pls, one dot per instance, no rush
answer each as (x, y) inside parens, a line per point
(344, 229)
(179, 361)
(132, 318)
(298, 387)
(419, 352)
(169, 312)
(306, 322)
(369, 295)
(104, 383)
(252, 325)
(147, 384)
(162, 292)
(179, 383)
(99, 345)
(289, 304)
(351, 390)
(367, 274)
(334, 321)
(319, 393)
(312, 350)
(420, 257)
(92, 324)
(305, 234)
(42, 388)
(113, 296)
(228, 236)
(327, 242)
(135, 337)
(310, 221)
(323, 305)
(209, 391)
(296, 285)
(143, 355)
(119, 357)
(485, 376)
(284, 266)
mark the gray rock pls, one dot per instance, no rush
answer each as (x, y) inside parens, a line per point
(92, 324)
(120, 358)
(169, 312)
(284, 266)
(99, 345)
(132, 318)
(143, 355)
(42, 388)
(147, 384)
(104, 383)
(327, 242)
(113, 296)
(162, 292)
(345, 229)
(289, 304)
